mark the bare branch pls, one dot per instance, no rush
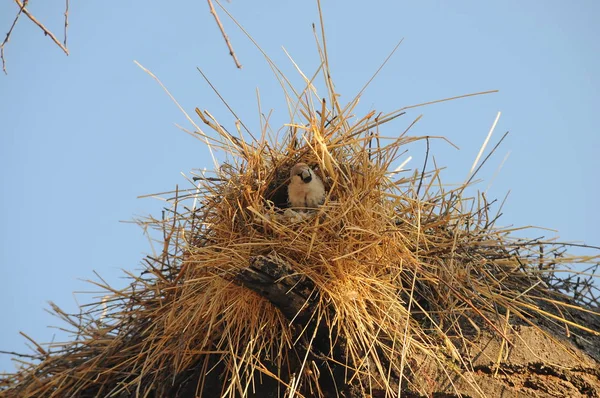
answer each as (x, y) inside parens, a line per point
(66, 21)
(214, 13)
(7, 38)
(41, 26)
(23, 10)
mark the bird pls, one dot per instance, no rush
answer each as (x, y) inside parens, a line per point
(305, 189)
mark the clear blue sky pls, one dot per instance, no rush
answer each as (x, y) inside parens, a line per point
(82, 136)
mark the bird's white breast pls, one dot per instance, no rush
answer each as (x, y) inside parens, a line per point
(301, 194)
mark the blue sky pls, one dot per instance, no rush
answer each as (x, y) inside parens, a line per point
(82, 136)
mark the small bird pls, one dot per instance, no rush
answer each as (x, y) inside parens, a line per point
(305, 189)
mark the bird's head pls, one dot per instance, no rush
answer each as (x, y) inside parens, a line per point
(302, 171)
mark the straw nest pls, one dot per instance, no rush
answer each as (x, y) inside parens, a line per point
(245, 298)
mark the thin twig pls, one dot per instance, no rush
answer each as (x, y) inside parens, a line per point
(424, 166)
(487, 139)
(576, 245)
(66, 21)
(16, 354)
(231, 52)
(41, 26)
(485, 160)
(7, 38)
(225, 102)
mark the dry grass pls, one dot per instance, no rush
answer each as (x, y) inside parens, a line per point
(400, 267)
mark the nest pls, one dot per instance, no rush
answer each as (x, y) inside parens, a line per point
(347, 300)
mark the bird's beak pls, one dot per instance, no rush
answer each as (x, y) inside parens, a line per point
(306, 176)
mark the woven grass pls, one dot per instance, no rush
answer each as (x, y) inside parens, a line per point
(399, 266)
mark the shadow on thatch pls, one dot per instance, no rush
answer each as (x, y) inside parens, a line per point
(392, 275)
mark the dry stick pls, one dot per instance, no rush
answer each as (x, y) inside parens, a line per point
(325, 59)
(225, 102)
(278, 74)
(42, 27)
(487, 139)
(7, 38)
(66, 21)
(39, 347)
(482, 163)
(16, 354)
(399, 112)
(377, 71)
(577, 245)
(214, 13)
(424, 166)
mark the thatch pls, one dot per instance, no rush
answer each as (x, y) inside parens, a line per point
(246, 299)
